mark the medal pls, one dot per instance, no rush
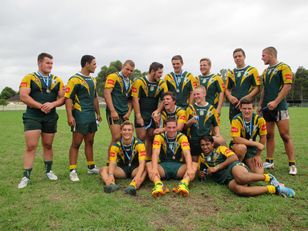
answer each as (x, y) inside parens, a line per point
(152, 88)
(173, 157)
(129, 165)
(177, 91)
(47, 91)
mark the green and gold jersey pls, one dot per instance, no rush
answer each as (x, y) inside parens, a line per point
(149, 94)
(217, 156)
(81, 90)
(273, 80)
(42, 89)
(214, 85)
(127, 155)
(248, 130)
(121, 91)
(207, 119)
(241, 81)
(179, 114)
(181, 85)
(171, 148)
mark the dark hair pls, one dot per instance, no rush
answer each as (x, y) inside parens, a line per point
(171, 119)
(171, 94)
(246, 101)
(41, 56)
(155, 66)
(239, 50)
(177, 57)
(86, 59)
(207, 138)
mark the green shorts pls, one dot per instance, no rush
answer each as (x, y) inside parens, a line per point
(47, 124)
(171, 169)
(224, 176)
(128, 169)
(111, 121)
(251, 151)
(85, 128)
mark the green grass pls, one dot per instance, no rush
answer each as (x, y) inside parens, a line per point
(63, 205)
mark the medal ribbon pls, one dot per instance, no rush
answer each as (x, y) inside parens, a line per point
(129, 153)
(45, 79)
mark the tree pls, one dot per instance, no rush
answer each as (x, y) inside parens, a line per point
(3, 102)
(299, 91)
(7, 93)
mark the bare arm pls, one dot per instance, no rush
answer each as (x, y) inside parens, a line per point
(261, 141)
(241, 140)
(97, 111)
(222, 165)
(69, 108)
(27, 99)
(108, 99)
(221, 100)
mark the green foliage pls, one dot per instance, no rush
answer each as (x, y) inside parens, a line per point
(300, 85)
(7, 93)
(3, 102)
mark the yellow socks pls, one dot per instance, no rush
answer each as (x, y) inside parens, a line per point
(267, 178)
(271, 189)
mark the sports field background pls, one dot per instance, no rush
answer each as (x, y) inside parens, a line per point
(63, 205)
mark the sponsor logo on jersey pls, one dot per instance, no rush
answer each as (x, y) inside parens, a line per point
(23, 84)
(234, 129)
(156, 142)
(134, 89)
(143, 153)
(263, 128)
(110, 81)
(67, 90)
(288, 76)
(185, 144)
(112, 154)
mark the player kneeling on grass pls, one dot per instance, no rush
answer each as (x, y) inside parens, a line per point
(126, 159)
(223, 165)
(245, 127)
(170, 149)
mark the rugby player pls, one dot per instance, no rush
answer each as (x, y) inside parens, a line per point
(245, 127)
(83, 114)
(42, 92)
(242, 82)
(277, 83)
(171, 159)
(126, 160)
(223, 165)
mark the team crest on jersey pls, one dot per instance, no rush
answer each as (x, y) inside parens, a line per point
(201, 112)
(239, 74)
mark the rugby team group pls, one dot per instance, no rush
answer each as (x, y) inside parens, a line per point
(176, 121)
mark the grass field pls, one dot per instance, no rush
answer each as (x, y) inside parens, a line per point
(63, 205)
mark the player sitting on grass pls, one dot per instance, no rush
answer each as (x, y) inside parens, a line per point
(126, 160)
(223, 165)
(170, 149)
(245, 127)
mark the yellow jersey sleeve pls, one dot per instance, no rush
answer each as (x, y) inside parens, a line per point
(184, 143)
(136, 88)
(111, 81)
(181, 115)
(216, 116)
(262, 127)
(141, 151)
(236, 127)
(113, 153)
(225, 151)
(230, 79)
(256, 76)
(26, 81)
(157, 142)
(220, 84)
(70, 87)
(287, 75)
